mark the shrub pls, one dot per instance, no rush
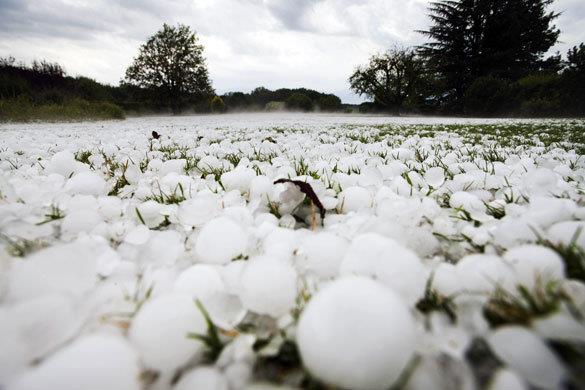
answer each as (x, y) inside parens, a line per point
(489, 96)
(274, 106)
(540, 107)
(217, 105)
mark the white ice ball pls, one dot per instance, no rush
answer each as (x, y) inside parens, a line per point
(86, 183)
(199, 210)
(160, 329)
(384, 259)
(534, 262)
(323, 253)
(355, 199)
(269, 286)
(220, 241)
(357, 334)
(209, 378)
(94, 362)
(525, 353)
(435, 177)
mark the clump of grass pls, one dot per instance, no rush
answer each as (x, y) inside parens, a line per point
(54, 214)
(175, 197)
(83, 156)
(434, 301)
(496, 212)
(21, 247)
(505, 308)
(121, 182)
(573, 254)
(211, 338)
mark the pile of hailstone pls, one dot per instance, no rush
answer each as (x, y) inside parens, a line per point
(450, 260)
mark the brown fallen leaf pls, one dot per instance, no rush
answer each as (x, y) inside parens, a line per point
(307, 190)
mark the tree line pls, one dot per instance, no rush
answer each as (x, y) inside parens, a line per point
(483, 57)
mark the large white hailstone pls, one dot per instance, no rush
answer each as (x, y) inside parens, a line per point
(575, 289)
(231, 275)
(155, 164)
(238, 179)
(62, 163)
(525, 353)
(69, 269)
(446, 280)
(132, 173)
(565, 232)
(14, 353)
(199, 281)
(209, 162)
(138, 235)
(221, 240)
(110, 207)
(150, 213)
(400, 186)
(269, 286)
(468, 202)
(384, 259)
(355, 199)
(172, 166)
(513, 231)
(545, 211)
(435, 177)
(484, 273)
(204, 282)
(163, 248)
(535, 262)
(160, 328)
(393, 169)
(280, 242)
(560, 326)
(43, 323)
(260, 187)
(370, 176)
(78, 221)
(540, 181)
(505, 379)
(199, 210)
(356, 333)
(202, 378)
(323, 253)
(94, 362)
(86, 183)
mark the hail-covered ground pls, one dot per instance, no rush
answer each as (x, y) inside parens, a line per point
(450, 255)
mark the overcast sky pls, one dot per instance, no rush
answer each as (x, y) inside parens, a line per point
(248, 43)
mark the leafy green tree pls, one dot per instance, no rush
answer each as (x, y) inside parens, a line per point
(576, 59)
(477, 38)
(573, 82)
(329, 103)
(389, 78)
(299, 101)
(171, 64)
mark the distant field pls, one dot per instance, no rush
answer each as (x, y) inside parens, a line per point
(447, 246)
(73, 110)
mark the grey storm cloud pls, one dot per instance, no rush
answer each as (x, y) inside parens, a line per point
(291, 13)
(275, 43)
